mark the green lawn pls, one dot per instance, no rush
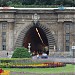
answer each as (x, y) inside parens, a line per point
(67, 68)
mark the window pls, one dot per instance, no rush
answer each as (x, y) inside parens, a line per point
(67, 36)
(3, 35)
(4, 25)
(4, 47)
(4, 40)
(67, 27)
(67, 48)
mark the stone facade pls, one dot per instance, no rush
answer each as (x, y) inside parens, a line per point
(53, 22)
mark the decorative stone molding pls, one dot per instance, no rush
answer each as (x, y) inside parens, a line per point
(50, 37)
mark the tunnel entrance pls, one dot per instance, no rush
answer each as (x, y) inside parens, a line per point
(37, 37)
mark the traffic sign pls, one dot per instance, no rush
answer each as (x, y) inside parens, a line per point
(73, 47)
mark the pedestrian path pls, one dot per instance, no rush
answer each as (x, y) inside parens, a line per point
(30, 73)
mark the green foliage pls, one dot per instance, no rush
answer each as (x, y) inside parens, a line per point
(35, 6)
(9, 3)
(21, 53)
(36, 2)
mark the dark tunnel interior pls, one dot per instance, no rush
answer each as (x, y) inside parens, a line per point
(37, 37)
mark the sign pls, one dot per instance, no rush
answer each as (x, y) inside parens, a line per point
(73, 47)
(35, 18)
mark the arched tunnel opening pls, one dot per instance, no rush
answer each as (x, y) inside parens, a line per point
(39, 42)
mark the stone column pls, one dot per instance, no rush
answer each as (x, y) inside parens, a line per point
(0, 36)
(60, 38)
(10, 36)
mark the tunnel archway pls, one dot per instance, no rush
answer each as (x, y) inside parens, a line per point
(39, 42)
(51, 39)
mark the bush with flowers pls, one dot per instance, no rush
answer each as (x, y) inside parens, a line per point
(4, 72)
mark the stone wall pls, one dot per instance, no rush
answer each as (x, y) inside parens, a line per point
(54, 20)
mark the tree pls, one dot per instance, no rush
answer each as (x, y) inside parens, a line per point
(3, 3)
(65, 2)
(28, 2)
(9, 3)
(36, 2)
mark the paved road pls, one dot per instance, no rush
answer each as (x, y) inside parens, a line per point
(57, 59)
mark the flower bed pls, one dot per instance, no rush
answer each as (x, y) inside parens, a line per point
(4, 72)
(29, 63)
(41, 65)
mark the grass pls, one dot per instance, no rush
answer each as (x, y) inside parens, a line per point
(67, 68)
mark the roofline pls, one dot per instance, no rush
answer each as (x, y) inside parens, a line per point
(7, 8)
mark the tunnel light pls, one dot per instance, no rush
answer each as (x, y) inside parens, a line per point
(39, 35)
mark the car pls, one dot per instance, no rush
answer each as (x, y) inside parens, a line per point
(44, 55)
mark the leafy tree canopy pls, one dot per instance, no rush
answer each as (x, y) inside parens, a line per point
(37, 2)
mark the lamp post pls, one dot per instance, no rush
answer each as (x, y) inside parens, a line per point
(54, 48)
(73, 49)
(29, 47)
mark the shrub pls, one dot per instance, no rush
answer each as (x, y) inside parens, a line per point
(21, 53)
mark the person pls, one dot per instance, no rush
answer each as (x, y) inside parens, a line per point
(37, 55)
(7, 53)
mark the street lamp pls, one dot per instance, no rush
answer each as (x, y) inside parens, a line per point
(29, 47)
(73, 48)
